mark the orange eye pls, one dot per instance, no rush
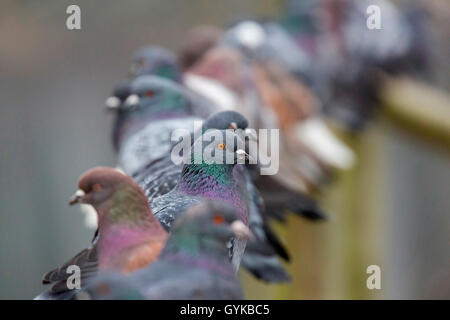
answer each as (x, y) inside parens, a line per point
(96, 187)
(221, 146)
(218, 219)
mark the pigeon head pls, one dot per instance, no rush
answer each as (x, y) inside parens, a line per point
(149, 98)
(225, 120)
(114, 195)
(120, 93)
(145, 93)
(223, 148)
(155, 60)
(230, 120)
(210, 219)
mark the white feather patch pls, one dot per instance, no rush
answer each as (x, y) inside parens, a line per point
(314, 133)
(250, 34)
(90, 215)
(212, 90)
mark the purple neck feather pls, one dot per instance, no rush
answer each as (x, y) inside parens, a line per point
(210, 188)
(115, 238)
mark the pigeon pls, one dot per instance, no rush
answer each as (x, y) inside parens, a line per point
(154, 108)
(210, 174)
(193, 265)
(129, 235)
(157, 61)
(348, 52)
(149, 60)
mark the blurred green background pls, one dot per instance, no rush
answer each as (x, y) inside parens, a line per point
(391, 210)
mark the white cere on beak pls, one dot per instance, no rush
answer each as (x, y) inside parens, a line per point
(80, 193)
(241, 230)
(112, 103)
(132, 100)
(241, 154)
(76, 197)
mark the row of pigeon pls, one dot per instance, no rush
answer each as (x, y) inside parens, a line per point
(181, 231)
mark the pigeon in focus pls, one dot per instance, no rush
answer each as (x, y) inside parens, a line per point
(211, 173)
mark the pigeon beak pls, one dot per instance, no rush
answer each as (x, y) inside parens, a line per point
(242, 155)
(233, 125)
(112, 103)
(251, 134)
(241, 230)
(77, 197)
(132, 100)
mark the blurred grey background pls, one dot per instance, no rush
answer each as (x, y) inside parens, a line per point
(53, 126)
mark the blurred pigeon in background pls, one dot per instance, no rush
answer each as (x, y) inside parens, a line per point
(348, 54)
(154, 108)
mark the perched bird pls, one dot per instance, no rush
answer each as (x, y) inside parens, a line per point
(154, 108)
(348, 52)
(210, 174)
(157, 61)
(149, 60)
(129, 235)
(193, 265)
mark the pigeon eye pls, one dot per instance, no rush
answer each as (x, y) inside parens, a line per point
(149, 93)
(96, 187)
(218, 219)
(221, 146)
